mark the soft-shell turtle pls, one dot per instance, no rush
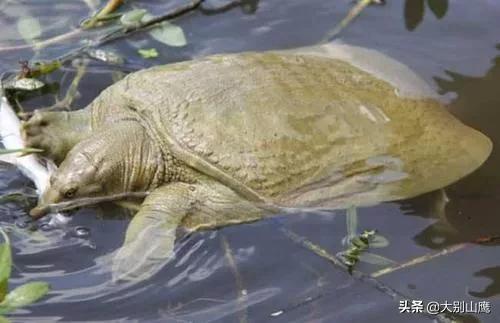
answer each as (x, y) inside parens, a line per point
(236, 137)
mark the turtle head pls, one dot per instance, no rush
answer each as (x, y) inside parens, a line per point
(77, 178)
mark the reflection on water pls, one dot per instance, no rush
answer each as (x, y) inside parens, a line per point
(278, 280)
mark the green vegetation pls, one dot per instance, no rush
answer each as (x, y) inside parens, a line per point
(21, 296)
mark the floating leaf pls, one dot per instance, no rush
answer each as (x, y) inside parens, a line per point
(148, 53)
(169, 34)
(25, 84)
(5, 264)
(378, 241)
(414, 13)
(29, 28)
(438, 7)
(133, 18)
(25, 295)
(147, 18)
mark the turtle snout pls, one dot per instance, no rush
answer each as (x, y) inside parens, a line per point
(50, 196)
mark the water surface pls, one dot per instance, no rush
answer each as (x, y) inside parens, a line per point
(457, 54)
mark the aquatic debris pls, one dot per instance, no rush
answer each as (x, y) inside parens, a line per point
(21, 296)
(81, 232)
(29, 28)
(148, 53)
(353, 14)
(23, 151)
(359, 244)
(29, 165)
(132, 18)
(38, 69)
(110, 7)
(169, 34)
(24, 84)
(242, 292)
(107, 56)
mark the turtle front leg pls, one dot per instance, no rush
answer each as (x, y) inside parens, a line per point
(150, 238)
(56, 132)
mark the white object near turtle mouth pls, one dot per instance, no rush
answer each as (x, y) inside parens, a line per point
(10, 136)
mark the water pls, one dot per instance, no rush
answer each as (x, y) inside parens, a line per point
(277, 280)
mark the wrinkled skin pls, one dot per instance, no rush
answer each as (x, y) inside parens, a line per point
(234, 138)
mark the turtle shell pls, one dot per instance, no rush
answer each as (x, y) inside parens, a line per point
(297, 130)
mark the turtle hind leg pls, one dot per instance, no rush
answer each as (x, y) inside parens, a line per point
(150, 238)
(56, 132)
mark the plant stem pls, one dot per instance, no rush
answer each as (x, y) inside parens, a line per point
(419, 260)
(242, 295)
(353, 14)
(387, 290)
(110, 7)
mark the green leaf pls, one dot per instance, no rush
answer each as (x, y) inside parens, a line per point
(133, 18)
(148, 53)
(25, 294)
(5, 309)
(29, 28)
(169, 34)
(3, 319)
(5, 264)
(438, 7)
(414, 13)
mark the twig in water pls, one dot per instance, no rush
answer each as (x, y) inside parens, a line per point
(72, 91)
(113, 35)
(387, 290)
(419, 260)
(40, 211)
(353, 14)
(110, 7)
(242, 294)
(23, 151)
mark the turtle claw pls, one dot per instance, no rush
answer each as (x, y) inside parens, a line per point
(55, 132)
(43, 131)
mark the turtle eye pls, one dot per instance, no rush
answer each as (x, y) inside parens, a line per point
(70, 193)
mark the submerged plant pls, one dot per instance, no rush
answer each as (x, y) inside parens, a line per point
(358, 245)
(20, 296)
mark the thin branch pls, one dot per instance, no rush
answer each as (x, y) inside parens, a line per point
(42, 210)
(242, 294)
(387, 290)
(72, 91)
(419, 260)
(124, 32)
(114, 35)
(353, 14)
(110, 7)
